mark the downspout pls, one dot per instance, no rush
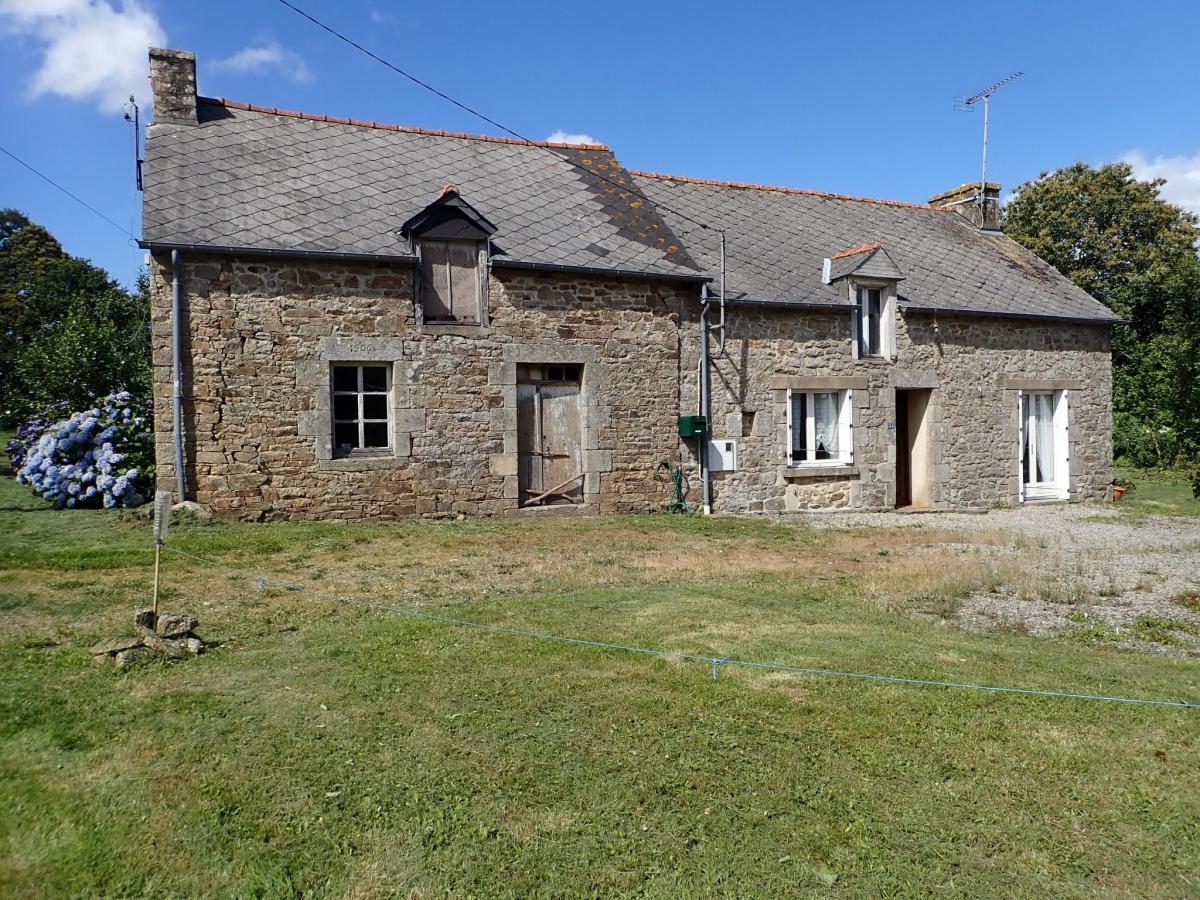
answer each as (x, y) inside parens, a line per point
(705, 403)
(177, 374)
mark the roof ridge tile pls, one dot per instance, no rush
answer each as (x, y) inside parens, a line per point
(661, 176)
(406, 129)
(854, 251)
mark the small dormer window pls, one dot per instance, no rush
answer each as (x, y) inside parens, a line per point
(450, 282)
(870, 322)
(451, 239)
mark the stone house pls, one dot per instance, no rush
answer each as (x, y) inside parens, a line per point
(357, 320)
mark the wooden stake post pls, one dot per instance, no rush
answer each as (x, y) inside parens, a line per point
(162, 522)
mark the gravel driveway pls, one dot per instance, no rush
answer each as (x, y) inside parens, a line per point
(1104, 577)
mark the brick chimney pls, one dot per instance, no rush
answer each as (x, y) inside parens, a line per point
(964, 200)
(173, 84)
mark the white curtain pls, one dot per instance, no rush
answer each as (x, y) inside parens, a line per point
(1043, 414)
(825, 422)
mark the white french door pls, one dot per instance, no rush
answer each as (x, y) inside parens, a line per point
(1045, 461)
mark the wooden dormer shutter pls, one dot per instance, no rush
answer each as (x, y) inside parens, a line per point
(450, 281)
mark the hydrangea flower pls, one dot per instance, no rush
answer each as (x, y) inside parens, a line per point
(71, 463)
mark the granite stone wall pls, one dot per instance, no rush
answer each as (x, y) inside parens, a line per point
(973, 368)
(261, 336)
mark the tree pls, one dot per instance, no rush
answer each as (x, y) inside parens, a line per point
(1118, 240)
(70, 332)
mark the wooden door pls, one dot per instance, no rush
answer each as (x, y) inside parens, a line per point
(548, 444)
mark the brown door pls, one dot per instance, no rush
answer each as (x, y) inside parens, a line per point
(548, 440)
(903, 451)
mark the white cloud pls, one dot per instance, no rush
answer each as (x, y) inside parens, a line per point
(262, 57)
(1181, 172)
(566, 137)
(92, 50)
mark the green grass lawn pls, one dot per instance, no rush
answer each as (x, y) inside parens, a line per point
(323, 750)
(1157, 493)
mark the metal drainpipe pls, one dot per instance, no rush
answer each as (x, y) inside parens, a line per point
(705, 404)
(177, 374)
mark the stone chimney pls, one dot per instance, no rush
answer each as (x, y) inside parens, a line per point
(173, 84)
(965, 201)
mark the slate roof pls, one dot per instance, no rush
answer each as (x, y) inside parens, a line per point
(249, 177)
(778, 238)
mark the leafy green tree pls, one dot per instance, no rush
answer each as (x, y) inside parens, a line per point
(1118, 240)
(68, 332)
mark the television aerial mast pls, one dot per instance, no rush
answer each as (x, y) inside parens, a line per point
(966, 104)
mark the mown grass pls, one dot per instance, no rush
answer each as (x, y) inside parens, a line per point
(325, 750)
(1156, 492)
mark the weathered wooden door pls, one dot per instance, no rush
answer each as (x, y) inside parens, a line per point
(548, 439)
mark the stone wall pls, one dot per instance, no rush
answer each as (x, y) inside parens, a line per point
(973, 367)
(260, 338)
(261, 335)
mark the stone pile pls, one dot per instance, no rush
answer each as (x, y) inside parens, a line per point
(171, 634)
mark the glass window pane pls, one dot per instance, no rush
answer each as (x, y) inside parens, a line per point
(345, 378)
(375, 434)
(825, 421)
(375, 406)
(374, 378)
(799, 450)
(345, 435)
(345, 406)
(1043, 411)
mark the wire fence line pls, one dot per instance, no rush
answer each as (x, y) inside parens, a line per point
(714, 662)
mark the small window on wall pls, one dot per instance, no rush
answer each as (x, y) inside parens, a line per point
(361, 408)
(819, 430)
(870, 322)
(450, 281)
(874, 323)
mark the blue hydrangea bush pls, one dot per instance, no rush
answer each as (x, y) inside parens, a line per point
(98, 457)
(29, 430)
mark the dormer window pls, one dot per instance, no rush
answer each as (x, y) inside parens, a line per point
(450, 286)
(870, 322)
(870, 275)
(452, 240)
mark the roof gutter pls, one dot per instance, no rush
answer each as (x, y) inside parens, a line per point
(154, 246)
(597, 270)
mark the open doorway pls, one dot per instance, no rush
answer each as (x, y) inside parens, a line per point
(549, 470)
(912, 449)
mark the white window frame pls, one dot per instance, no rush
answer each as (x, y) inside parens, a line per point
(845, 426)
(1060, 487)
(859, 298)
(361, 421)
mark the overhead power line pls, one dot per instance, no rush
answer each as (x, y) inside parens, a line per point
(75, 197)
(484, 117)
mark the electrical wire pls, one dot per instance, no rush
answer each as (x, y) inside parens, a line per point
(74, 197)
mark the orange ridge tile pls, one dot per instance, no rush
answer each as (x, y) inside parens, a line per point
(854, 251)
(313, 117)
(784, 190)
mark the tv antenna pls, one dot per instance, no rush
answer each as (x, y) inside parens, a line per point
(133, 116)
(966, 104)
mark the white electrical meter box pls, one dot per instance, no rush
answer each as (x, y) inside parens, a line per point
(722, 455)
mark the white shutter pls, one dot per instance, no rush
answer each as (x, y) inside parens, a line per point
(1062, 447)
(846, 428)
(890, 315)
(854, 331)
(1022, 424)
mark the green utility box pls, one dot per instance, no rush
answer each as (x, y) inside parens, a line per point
(693, 426)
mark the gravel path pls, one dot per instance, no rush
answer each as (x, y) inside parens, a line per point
(1100, 577)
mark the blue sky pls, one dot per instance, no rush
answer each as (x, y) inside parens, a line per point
(853, 98)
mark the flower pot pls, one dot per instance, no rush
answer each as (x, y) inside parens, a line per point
(1118, 492)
